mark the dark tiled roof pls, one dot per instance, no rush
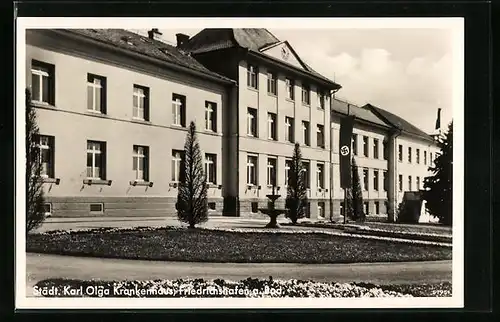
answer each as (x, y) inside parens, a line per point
(398, 122)
(364, 114)
(253, 39)
(143, 45)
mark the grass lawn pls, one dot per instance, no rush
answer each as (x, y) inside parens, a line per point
(411, 228)
(200, 245)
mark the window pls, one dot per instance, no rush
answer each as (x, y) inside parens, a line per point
(320, 176)
(400, 183)
(140, 162)
(96, 93)
(366, 205)
(425, 157)
(252, 122)
(307, 209)
(211, 205)
(386, 151)
(375, 148)
(177, 159)
(141, 103)
(42, 82)
(409, 184)
(252, 170)
(255, 207)
(409, 154)
(430, 158)
(210, 116)
(355, 144)
(418, 183)
(377, 207)
(46, 153)
(375, 180)
(386, 181)
(306, 94)
(365, 179)
(96, 207)
(290, 89)
(305, 133)
(271, 171)
(321, 100)
(306, 174)
(418, 156)
(288, 166)
(252, 75)
(210, 168)
(272, 83)
(179, 110)
(271, 126)
(321, 209)
(400, 153)
(96, 155)
(320, 135)
(289, 131)
(365, 146)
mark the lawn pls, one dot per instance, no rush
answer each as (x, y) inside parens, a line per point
(411, 228)
(250, 287)
(202, 245)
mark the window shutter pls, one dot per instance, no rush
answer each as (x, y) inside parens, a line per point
(104, 99)
(183, 111)
(214, 118)
(52, 146)
(104, 153)
(146, 103)
(146, 163)
(52, 85)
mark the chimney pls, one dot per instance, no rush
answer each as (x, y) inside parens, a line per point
(153, 32)
(181, 39)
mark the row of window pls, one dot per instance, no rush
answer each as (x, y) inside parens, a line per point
(96, 161)
(43, 88)
(410, 155)
(272, 86)
(410, 187)
(253, 173)
(366, 147)
(272, 128)
(366, 207)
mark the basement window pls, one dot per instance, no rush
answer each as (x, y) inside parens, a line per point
(47, 209)
(96, 208)
(211, 205)
(255, 206)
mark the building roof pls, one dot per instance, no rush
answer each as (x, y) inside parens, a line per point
(252, 39)
(398, 122)
(342, 107)
(136, 43)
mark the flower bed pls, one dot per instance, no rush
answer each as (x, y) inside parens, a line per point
(250, 287)
(392, 232)
(233, 245)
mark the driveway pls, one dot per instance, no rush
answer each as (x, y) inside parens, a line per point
(42, 266)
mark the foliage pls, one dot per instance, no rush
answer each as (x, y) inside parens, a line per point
(438, 190)
(35, 214)
(192, 202)
(296, 199)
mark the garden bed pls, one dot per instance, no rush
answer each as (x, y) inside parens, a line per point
(204, 245)
(199, 288)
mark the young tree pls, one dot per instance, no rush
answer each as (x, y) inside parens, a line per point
(35, 214)
(438, 191)
(356, 196)
(296, 198)
(192, 203)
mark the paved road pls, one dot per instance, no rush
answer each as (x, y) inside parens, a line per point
(42, 266)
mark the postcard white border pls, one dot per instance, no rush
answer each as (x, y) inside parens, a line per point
(455, 24)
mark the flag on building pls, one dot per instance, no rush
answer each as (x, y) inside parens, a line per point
(438, 121)
(346, 125)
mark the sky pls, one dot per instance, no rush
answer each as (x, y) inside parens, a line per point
(405, 71)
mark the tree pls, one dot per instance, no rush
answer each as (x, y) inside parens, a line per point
(35, 214)
(192, 203)
(355, 196)
(438, 187)
(296, 198)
